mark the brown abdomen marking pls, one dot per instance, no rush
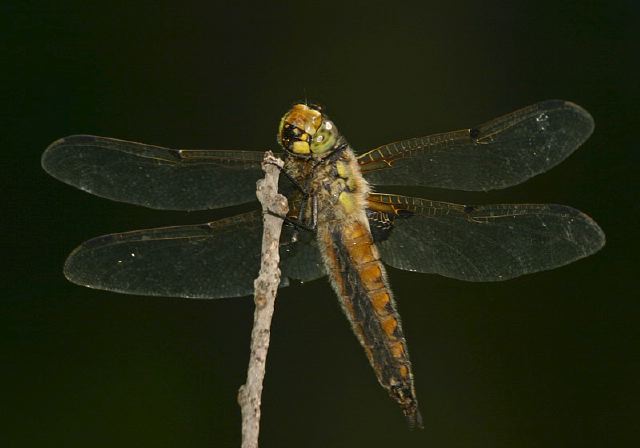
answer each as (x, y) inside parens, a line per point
(359, 279)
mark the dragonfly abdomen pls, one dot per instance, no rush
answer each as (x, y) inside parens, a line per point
(359, 278)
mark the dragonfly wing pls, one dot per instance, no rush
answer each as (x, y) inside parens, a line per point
(300, 257)
(480, 243)
(500, 153)
(152, 176)
(212, 260)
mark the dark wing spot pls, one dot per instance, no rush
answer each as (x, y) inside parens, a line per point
(381, 224)
(474, 133)
(402, 213)
(469, 208)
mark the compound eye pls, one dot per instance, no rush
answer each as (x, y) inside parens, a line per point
(315, 107)
(325, 138)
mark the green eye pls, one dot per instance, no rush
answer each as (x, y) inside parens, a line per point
(324, 139)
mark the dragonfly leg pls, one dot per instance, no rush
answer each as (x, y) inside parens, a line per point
(297, 185)
(297, 223)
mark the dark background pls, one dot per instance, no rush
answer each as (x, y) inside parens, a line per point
(546, 360)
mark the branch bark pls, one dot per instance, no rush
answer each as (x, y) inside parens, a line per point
(274, 205)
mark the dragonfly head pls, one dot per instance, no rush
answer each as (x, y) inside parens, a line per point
(305, 130)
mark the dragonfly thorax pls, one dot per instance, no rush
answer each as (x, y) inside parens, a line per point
(306, 131)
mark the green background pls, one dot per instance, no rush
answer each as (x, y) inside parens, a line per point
(546, 360)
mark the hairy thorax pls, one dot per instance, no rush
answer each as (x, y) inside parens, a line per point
(335, 184)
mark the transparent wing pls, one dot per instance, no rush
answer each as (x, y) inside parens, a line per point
(212, 260)
(154, 177)
(500, 153)
(480, 243)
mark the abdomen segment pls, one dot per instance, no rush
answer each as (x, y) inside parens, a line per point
(359, 278)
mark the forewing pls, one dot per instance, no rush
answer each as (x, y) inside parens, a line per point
(500, 153)
(212, 260)
(152, 176)
(480, 243)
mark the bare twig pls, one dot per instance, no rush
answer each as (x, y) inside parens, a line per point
(274, 205)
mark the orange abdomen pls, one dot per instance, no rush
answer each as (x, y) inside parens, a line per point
(359, 278)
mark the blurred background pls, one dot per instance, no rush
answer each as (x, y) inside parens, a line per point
(546, 360)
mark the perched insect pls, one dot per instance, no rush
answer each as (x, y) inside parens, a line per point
(340, 227)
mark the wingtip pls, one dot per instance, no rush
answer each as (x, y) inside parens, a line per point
(599, 236)
(577, 109)
(45, 159)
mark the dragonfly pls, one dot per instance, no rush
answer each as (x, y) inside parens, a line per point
(338, 225)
